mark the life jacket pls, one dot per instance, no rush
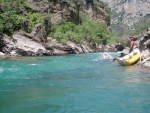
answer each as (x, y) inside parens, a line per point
(132, 44)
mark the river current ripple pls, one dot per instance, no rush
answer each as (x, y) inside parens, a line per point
(83, 83)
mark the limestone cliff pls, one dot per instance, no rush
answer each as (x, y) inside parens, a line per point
(61, 11)
(44, 15)
(129, 17)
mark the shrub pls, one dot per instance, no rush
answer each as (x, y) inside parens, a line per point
(1, 26)
(88, 31)
(10, 18)
(35, 18)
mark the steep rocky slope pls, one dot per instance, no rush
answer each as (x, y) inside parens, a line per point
(50, 13)
(25, 14)
(69, 10)
(130, 17)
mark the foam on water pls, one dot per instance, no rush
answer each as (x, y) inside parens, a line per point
(33, 64)
(84, 83)
(1, 69)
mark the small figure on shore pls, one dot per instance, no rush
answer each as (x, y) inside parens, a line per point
(132, 44)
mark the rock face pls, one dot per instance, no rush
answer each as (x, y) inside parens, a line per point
(36, 44)
(76, 48)
(2, 54)
(28, 46)
(54, 12)
(69, 10)
(39, 33)
(22, 46)
(98, 11)
(145, 48)
(129, 15)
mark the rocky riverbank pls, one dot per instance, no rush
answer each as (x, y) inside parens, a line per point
(144, 46)
(38, 44)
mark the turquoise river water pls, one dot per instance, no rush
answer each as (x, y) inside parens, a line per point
(84, 83)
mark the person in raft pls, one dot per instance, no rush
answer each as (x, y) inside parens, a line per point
(132, 44)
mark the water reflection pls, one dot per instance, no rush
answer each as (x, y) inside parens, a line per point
(137, 74)
(72, 84)
(134, 79)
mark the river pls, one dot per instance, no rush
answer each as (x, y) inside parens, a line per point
(82, 83)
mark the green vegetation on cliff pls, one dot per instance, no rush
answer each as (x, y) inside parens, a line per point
(10, 17)
(86, 31)
(18, 15)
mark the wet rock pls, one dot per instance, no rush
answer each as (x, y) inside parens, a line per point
(59, 52)
(86, 48)
(146, 62)
(74, 47)
(145, 42)
(25, 44)
(2, 54)
(145, 54)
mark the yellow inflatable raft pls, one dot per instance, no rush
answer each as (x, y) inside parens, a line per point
(130, 59)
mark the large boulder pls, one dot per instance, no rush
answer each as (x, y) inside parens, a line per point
(9, 45)
(22, 46)
(57, 48)
(53, 43)
(2, 54)
(145, 54)
(100, 48)
(27, 46)
(145, 42)
(39, 33)
(59, 52)
(76, 48)
(86, 48)
(146, 62)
